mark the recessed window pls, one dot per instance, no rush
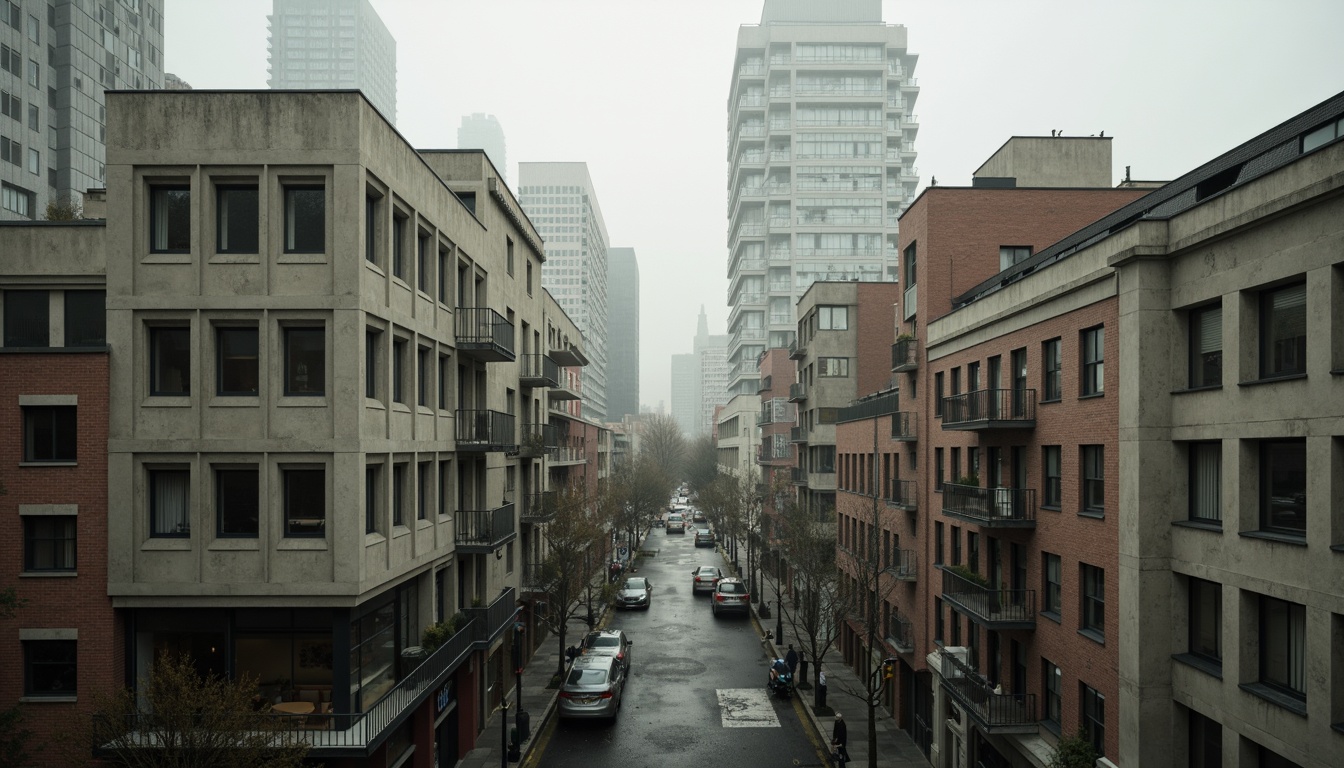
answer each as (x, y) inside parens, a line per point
(1283, 646)
(424, 489)
(1206, 347)
(1094, 479)
(423, 270)
(1283, 486)
(305, 502)
(938, 393)
(1094, 718)
(399, 370)
(1094, 357)
(445, 277)
(86, 318)
(1283, 331)
(1052, 364)
(372, 475)
(1053, 476)
(372, 341)
(399, 477)
(170, 503)
(27, 319)
(508, 255)
(305, 361)
(169, 361)
(305, 219)
(1206, 482)
(50, 433)
(237, 361)
(49, 543)
(832, 367)
(50, 668)
(1013, 254)
(237, 501)
(445, 371)
(170, 218)
(238, 224)
(1094, 599)
(1054, 588)
(1206, 619)
(832, 318)
(1206, 741)
(938, 469)
(400, 223)
(424, 381)
(1054, 682)
(371, 228)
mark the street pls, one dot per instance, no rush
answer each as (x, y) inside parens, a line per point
(696, 693)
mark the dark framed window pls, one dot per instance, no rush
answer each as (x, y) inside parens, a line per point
(50, 433)
(1054, 478)
(1206, 482)
(956, 545)
(1283, 486)
(937, 469)
(1053, 684)
(86, 318)
(399, 493)
(371, 228)
(1094, 717)
(27, 319)
(236, 364)
(305, 219)
(445, 369)
(424, 489)
(169, 361)
(445, 486)
(237, 226)
(424, 381)
(445, 277)
(1205, 602)
(170, 503)
(1094, 600)
(305, 361)
(937, 543)
(372, 339)
(1283, 331)
(1052, 363)
(399, 237)
(1205, 741)
(1094, 361)
(170, 218)
(1283, 646)
(1013, 254)
(1206, 346)
(423, 272)
(1094, 479)
(1054, 586)
(371, 477)
(399, 370)
(938, 393)
(1267, 758)
(832, 367)
(833, 318)
(908, 266)
(508, 255)
(305, 502)
(237, 501)
(50, 668)
(49, 542)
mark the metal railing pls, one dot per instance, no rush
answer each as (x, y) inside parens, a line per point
(487, 528)
(905, 426)
(998, 712)
(993, 608)
(485, 430)
(989, 408)
(797, 392)
(539, 369)
(539, 438)
(901, 633)
(901, 494)
(905, 355)
(797, 476)
(490, 621)
(482, 329)
(1004, 507)
(870, 408)
(903, 565)
(797, 435)
(538, 507)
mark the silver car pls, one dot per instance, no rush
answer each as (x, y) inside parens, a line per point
(593, 688)
(636, 592)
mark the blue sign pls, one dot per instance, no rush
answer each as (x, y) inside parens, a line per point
(447, 695)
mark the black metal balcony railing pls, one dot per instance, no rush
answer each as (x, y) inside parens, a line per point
(995, 712)
(991, 507)
(797, 351)
(490, 622)
(483, 530)
(538, 507)
(764, 384)
(901, 634)
(901, 494)
(990, 607)
(797, 434)
(797, 392)
(798, 476)
(904, 427)
(869, 408)
(485, 334)
(991, 409)
(534, 575)
(904, 355)
(537, 439)
(485, 431)
(903, 565)
(538, 370)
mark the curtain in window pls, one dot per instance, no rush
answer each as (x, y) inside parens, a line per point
(170, 490)
(1206, 503)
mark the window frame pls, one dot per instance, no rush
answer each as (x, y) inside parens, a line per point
(293, 363)
(1205, 364)
(57, 543)
(1295, 613)
(157, 513)
(1093, 475)
(401, 222)
(1092, 716)
(1052, 370)
(228, 360)
(826, 367)
(829, 315)
(1093, 356)
(29, 311)
(86, 318)
(399, 347)
(224, 193)
(293, 207)
(224, 490)
(163, 235)
(1267, 319)
(1203, 597)
(293, 496)
(67, 668)
(1267, 507)
(372, 346)
(399, 477)
(1052, 485)
(157, 334)
(63, 427)
(1052, 577)
(1092, 597)
(1052, 685)
(372, 483)
(1195, 501)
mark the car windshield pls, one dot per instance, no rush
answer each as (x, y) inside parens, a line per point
(636, 584)
(732, 587)
(674, 518)
(708, 572)
(587, 676)
(604, 641)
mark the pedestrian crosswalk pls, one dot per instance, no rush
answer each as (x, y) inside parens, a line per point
(746, 708)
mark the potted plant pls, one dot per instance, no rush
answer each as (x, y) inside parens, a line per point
(968, 574)
(968, 480)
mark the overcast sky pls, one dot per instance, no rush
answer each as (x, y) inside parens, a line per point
(638, 89)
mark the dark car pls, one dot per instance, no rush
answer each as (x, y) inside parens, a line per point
(609, 642)
(704, 578)
(704, 537)
(636, 592)
(730, 596)
(675, 524)
(592, 688)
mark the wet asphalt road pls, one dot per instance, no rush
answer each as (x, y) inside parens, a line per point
(696, 691)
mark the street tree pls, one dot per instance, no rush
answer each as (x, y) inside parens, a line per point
(573, 565)
(64, 208)
(733, 502)
(661, 439)
(819, 605)
(702, 463)
(14, 738)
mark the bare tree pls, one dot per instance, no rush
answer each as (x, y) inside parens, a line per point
(702, 463)
(733, 504)
(572, 564)
(64, 208)
(819, 605)
(662, 440)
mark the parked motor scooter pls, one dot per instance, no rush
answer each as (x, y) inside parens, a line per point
(781, 682)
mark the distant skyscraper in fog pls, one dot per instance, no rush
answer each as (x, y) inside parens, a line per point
(482, 131)
(622, 333)
(330, 44)
(700, 380)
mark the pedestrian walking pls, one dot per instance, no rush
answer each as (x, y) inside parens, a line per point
(791, 659)
(821, 688)
(839, 740)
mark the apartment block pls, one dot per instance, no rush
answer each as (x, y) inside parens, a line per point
(623, 339)
(330, 44)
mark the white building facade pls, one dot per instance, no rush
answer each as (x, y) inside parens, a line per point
(326, 44)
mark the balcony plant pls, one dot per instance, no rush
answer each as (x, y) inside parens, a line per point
(438, 633)
(1074, 751)
(968, 574)
(904, 337)
(972, 480)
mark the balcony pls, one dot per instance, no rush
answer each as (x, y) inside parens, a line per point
(797, 392)
(751, 100)
(538, 507)
(566, 455)
(568, 387)
(903, 566)
(989, 607)
(991, 409)
(480, 531)
(490, 622)
(484, 334)
(488, 431)
(901, 495)
(996, 713)
(751, 70)
(537, 439)
(764, 384)
(797, 351)
(822, 480)
(797, 476)
(904, 427)
(797, 435)
(991, 507)
(538, 370)
(569, 355)
(905, 355)
(901, 634)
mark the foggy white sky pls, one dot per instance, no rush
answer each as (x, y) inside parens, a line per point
(638, 89)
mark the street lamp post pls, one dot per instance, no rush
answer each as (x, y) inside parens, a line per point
(779, 601)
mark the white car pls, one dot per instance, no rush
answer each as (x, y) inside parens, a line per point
(676, 524)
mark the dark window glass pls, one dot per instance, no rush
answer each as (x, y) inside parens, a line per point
(371, 498)
(371, 341)
(445, 368)
(371, 229)
(1054, 488)
(237, 361)
(27, 319)
(1094, 479)
(1094, 599)
(170, 219)
(1283, 331)
(237, 501)
(1053, 699)
(85, 318)
(49, 668)
(1054, 587)
(399, 236)
(1283, 631)
(169, 361)
(238, 227)
(1206, 347)
(1094, 718)
(169, 503)
(398, 371)
(49, 543)
(305, 219)
(938, 394)
(1206, 482)
(50, 433)
(423, 380)
(937, 469)
(1206, 741)
(305, 361)
(1283, 486)
(399, 494)
(445, 278)
(1206, 619)
(424, 489)
(305, 502)
(1053, 363)
(1094, 365)
(422, 268)
(938, 543)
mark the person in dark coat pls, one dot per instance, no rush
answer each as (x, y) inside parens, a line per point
(839, 738)
(791, 659)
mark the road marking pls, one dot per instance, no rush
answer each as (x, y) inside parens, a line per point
(746, 708)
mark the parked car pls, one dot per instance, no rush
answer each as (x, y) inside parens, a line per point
(609, 642)
(730, 596)
(676, 524)
(704, 537)
(704, 578)
(636, 592)
(593, 688)
(698, 516)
